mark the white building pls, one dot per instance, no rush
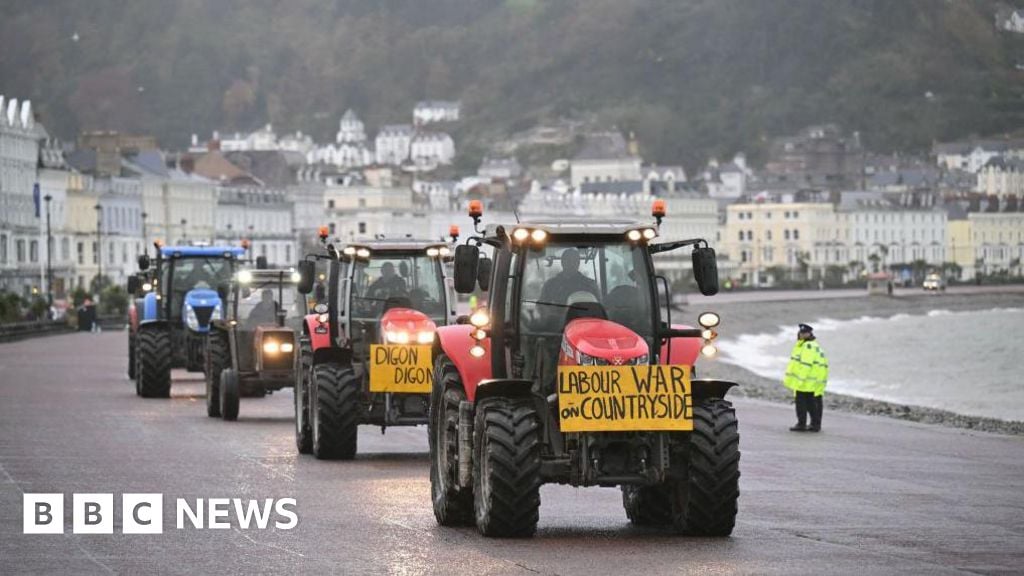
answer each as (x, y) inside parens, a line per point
(428, 111)
(1002, 177)
(605, 157)
(500, 168)
(178, 206)
(120, 201)
(19, 228)
(870, 223)
(349, 149)
(1014, 22)
(261, 215)
(729, 180)
(54, 181)
(972, 155)
(393, 144)
(431, 149)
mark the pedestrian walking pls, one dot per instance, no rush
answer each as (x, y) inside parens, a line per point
(806, 376)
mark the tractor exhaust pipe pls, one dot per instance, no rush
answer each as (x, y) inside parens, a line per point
(465, 444)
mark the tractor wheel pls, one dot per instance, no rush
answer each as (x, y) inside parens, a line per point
(229, 394)
(704, 502)
(335, 411)
(217, 359)
(153, 370)
(453, 506)
(303, 432)
(647, 505)
(506, 462)
(131, 357)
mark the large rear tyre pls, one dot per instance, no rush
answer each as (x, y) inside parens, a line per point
(131, 357)
(705, 502)
(647, 505)
(217, 359)
(506, 468)
(303, 431)
(229, 394)
(153, 369)
(453, 506)
(335, 408)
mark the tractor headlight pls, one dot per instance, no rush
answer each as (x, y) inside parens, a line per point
(444, 251)
(244, 277)
(538, 236)
(323, 318)
(296, 277)
(190, 318)
(397, 336)
(287, 347)
(520, 234)
(477, 351)
(271, 347)
(709, 350)
(433, 252)
(649, 233)
(147, 287)
(425, 337)
(709, 320)
(480, 318)
(633, 235)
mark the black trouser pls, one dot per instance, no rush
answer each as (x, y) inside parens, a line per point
(808, 403)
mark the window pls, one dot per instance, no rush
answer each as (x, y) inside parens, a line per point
(81, 252)
(33, 251)
(739, 216)
(111, 252)
(65, 249)
(288, 253)
(741, 235)
(330, 203)
(785, 234)
(19, 247)
(362, 202)
(796, 215)
(332, 228)
(362, 227)
(768, 235)
(786, 214)
(796, 234)
(95, 253)
(3, 249)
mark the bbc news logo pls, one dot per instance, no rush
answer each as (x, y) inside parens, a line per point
(144, 513)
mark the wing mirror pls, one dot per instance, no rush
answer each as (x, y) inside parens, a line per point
(143, 262)
(705, 270)
(483, 273)
(307, 274)
(467, 260)
(261, 263)
(133, 284)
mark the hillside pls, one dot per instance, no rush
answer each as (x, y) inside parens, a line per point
(690, 77)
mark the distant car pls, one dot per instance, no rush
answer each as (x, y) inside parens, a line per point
(934, 283)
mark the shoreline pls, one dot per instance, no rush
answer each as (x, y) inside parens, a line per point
(755, 317)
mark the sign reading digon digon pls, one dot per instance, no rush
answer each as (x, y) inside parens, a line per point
(401, 368)
(624, 398)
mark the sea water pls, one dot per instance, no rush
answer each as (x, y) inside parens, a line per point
(966, 362)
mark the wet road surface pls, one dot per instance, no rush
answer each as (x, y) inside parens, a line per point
(867, 496)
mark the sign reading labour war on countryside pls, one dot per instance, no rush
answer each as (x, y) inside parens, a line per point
(400, 369)
(624, 398)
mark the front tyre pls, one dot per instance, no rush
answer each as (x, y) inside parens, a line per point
(131, 356)
(704, 503)
(153, 374)
(506, 467)
(303, 431)
(335, 408)
(453, 506)
(229, 394)
(217, 359)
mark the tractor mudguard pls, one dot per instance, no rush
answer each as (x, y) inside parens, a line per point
(333, 354)
(455, 342)
(504, 387)
(705, 388)
(319, 332)
(684, 350)
(133, 318)
(150, 308)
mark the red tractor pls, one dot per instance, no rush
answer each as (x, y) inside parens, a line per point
(574, 374)
(365, 356)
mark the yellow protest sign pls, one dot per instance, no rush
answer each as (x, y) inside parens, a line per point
(399, 368)
(624, 398)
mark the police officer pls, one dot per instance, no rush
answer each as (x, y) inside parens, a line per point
(806, 376)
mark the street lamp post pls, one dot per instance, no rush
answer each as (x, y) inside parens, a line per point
(145, 246)
(99, 250)
(49, 253)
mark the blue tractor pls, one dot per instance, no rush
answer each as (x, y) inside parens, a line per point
(176, 301)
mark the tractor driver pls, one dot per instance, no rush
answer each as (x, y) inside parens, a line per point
(389, 283)
(569, 281)
(265, 311)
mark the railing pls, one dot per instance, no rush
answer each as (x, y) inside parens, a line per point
(20, 330)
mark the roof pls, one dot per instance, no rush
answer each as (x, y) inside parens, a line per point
(201, 251)
(395, 244)
(590, 226)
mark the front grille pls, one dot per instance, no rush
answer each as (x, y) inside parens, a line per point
(203, 314)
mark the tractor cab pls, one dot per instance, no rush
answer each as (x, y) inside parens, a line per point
(367, 352)
(180, 295)
(252, 350)
(576, 372)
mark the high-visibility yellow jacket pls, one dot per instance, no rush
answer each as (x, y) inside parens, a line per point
(808, 368)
